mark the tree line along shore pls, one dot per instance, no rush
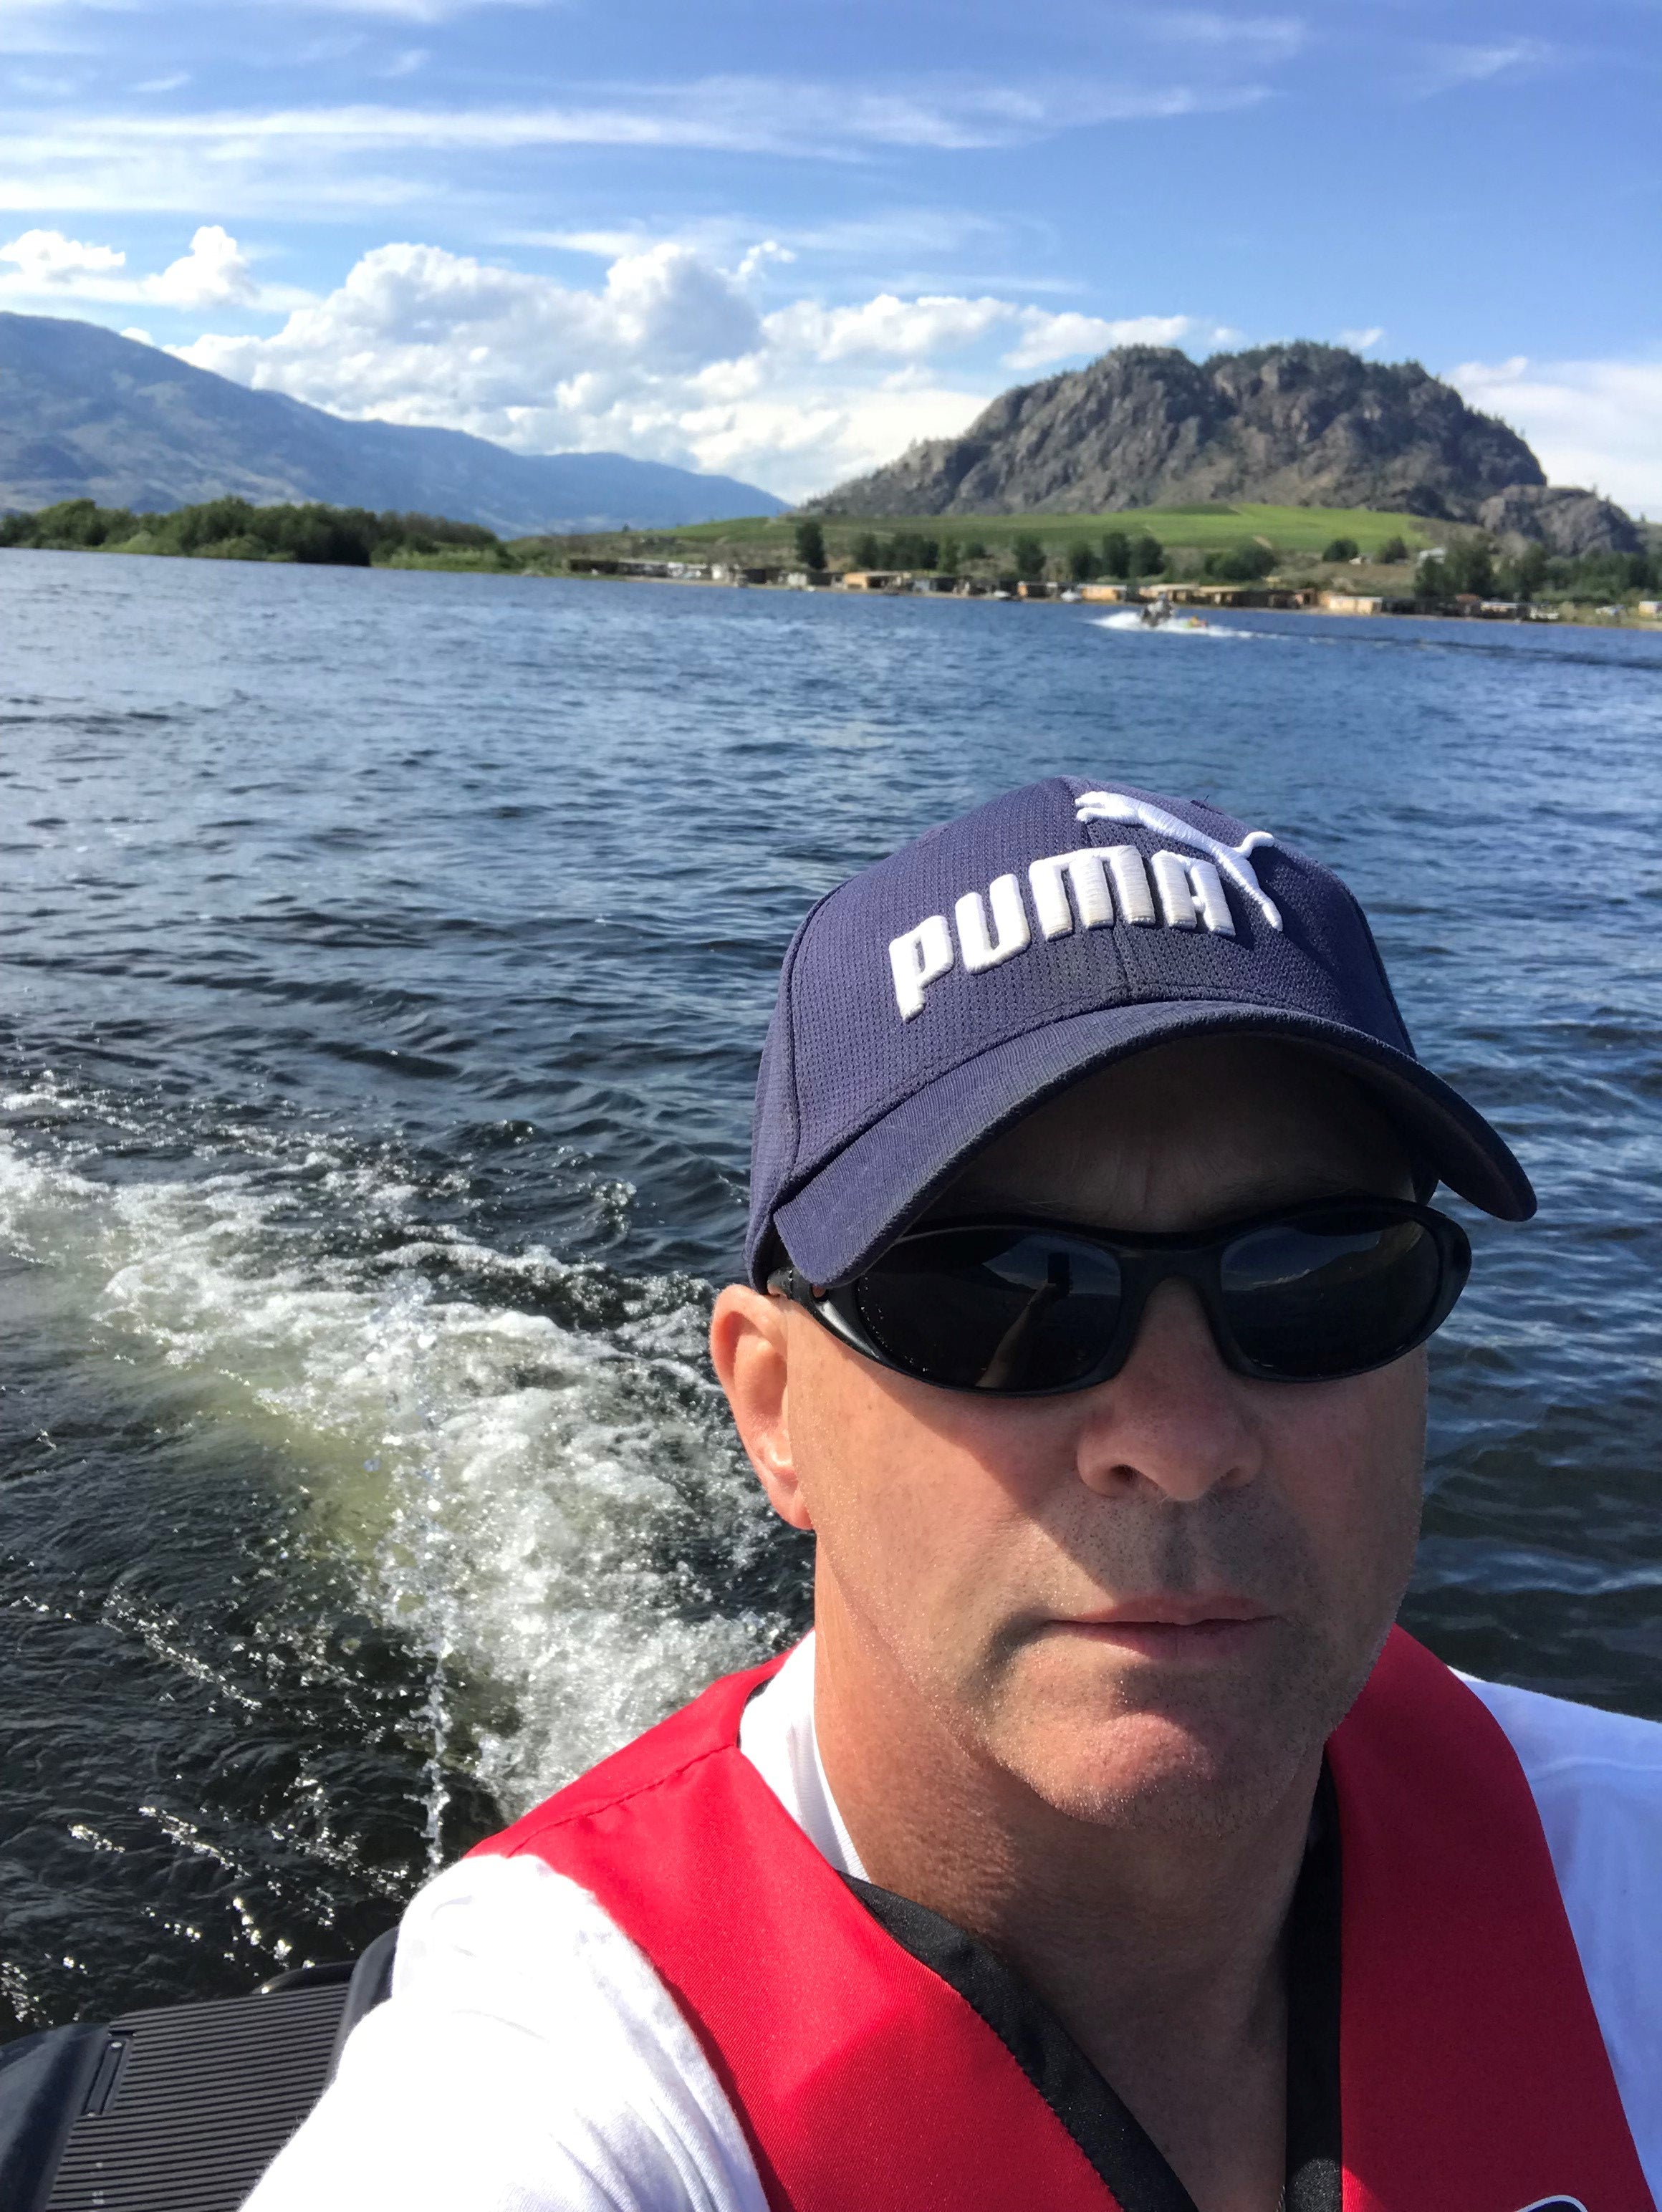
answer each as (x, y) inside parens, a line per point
(1367, 562)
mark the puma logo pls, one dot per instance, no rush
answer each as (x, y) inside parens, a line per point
(1230, 860)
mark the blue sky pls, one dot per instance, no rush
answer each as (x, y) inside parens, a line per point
(781, 240)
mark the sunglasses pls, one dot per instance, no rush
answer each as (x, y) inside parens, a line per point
(1030, 1309)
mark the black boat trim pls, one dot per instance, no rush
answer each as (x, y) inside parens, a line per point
(180, 2108)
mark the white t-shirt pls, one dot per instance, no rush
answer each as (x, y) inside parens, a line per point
(529, 2059)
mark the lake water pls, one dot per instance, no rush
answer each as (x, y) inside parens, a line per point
(386, 958)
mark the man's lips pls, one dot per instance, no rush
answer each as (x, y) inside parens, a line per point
(1161, 1626)
(1164, 1609)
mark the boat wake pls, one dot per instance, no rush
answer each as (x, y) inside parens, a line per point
(523, 1460)
(1178, 626)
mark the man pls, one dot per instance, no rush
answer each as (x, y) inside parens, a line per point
(1105, 1846)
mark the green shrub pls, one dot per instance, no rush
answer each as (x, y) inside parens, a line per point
(810, 543)
(71, 526)
(1466, 567)
(1341, 548)
(1469, 567)
(910, 549)
(1116, 554)
(1249, 562)
(425, 533)
(1602, 576)
(236, 548)
(1522, 578)
(351, 536)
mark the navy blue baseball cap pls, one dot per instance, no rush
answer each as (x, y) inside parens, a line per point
(935, 998)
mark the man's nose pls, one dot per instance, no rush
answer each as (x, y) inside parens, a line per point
(1174, 1416)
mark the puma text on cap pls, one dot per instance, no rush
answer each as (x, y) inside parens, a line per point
(935, 998)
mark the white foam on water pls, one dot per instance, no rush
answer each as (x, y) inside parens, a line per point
(1178, 627)
(519, 1495)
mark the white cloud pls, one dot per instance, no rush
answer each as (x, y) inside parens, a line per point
(413, 11)
(1047, 338)
(878, 244)
(215, 273)
(945, 323)
(667, 359)
(47, 259)
(756, 259)
(885, 232)
(371, 153)
(26, 29)
(1447, 68)
(138, 336)
(605, 245)
(418, 334)
(1594, 423)
(39, 85)
(886, 324)
(1275, 37)
(1360, 341)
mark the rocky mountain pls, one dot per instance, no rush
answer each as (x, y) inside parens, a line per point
(1299, 425)
(1562, 520)
(87, 415)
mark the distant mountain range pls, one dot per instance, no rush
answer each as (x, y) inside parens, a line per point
(1299, 425)
(87, 415)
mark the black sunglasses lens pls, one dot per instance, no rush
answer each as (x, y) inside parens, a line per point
(1333, 1294)
(978, 1309)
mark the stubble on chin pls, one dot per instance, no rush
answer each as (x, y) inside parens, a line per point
(1124, 1742)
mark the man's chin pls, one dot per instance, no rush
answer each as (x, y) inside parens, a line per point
(1206, 1751)
(1158, 1776)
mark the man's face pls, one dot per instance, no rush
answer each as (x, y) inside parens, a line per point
(1152, 1600)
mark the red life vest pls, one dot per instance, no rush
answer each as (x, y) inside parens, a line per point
(1473, 2072)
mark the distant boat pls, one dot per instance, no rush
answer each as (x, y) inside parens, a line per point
(1154, 618)
(1160, 614)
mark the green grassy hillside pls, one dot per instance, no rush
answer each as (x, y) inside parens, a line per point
(771, 539)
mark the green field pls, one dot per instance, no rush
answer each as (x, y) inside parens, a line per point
(1299, 530)
(983, 547)
(1290, 529)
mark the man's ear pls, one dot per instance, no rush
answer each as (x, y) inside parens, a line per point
(750, 1344)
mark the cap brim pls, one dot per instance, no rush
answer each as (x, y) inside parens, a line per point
(867, 1193)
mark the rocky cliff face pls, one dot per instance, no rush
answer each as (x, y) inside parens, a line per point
(1562, 520)
(1295, 425)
